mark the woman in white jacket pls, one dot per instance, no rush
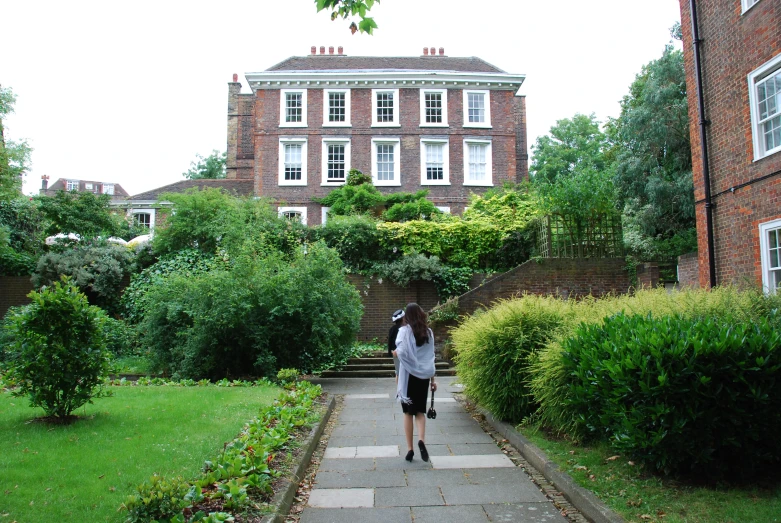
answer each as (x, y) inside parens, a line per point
(415, 351)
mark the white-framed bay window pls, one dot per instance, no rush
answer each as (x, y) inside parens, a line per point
(770, 255)
(336, 160)
(764, 86)
(748, 4)
(434, 161)
(478, 163)
(385, 108)
(477, 108)
(292, 160)
(293, 213)
(386, 161)
(292, 108)
(433, 108)
(336, 108)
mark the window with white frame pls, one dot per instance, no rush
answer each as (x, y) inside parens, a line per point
(324, 215)
(386, 161)
(433, 107)
(765, 98)
(108, 188)
(478, 165)
(336, 108)
(72, 185)
(385, 107)
(748, 4)
(336, 160)
(293, 213)
(292, 110)
(292, 161)
(770, 252)
(88, 187)
(444, 209)
(477, 108)
(434, 161)
(143, 218)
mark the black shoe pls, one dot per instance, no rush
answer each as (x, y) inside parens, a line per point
(409, 455)
(423, 451)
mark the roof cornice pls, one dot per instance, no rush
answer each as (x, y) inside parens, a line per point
(375, 79)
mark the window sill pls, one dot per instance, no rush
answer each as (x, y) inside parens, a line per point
(386, 125)
(768, 154)
(435, 183)
(478, 126)
(332, 124)
(479, 184)
(439, 125)
(291, 184)
(378, 183)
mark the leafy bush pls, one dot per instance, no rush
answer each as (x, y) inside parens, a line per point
(86, 214)
(685, 395)
(356, 240)
(263, 314)
(452, 281)
(363, 198)
(159, 499)
(98, 271)
(57, 353)
(444, 312)
(121, 339)
(412, 267)
(21, 236)
(493, 347)
(285, 376)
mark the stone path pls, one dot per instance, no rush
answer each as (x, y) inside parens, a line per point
(363, 476)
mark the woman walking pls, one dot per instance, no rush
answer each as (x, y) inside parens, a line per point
(415, 351)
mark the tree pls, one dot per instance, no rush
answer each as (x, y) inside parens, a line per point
(14, 156)
(86, 214)
(345, 8)
(210, 168)
(653, 168)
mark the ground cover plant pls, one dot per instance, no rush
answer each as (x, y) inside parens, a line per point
(84, 471)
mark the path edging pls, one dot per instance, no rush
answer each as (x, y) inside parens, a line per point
(584, 500)
(283, 500)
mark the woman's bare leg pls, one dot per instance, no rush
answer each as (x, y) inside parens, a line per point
(420, 419)
(408, 430)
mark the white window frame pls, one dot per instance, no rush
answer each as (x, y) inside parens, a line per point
(301, 210)
(424, 143)
(327, 107)
(71, 185)
(489, 175)
(108, 188)
(748, 4)
(396, 108)
(150, 212)
(445, 209)
(487, 101)
(283, 108)
(324, 215)
(423, 93)
(293, 140)
(324, 161)
(764, 251)
(755, 77)
(396, 182)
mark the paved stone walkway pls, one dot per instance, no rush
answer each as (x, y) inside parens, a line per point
(363, 476)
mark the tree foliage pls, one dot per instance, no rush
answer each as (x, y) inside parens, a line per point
(14, 156)
(347, 8)
(83, 213)
(211, 167)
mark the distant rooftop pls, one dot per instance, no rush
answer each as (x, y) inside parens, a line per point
(470, 64)
(237, 187)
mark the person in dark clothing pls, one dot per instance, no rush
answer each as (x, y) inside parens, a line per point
(398, 321)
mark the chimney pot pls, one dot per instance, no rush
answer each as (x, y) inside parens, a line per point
(341, 50)
(322, 49)
(425, 51)
(314, 49)
(331, 50)
(433, 51)
(442, 51)
(44, 182)
(235, 78)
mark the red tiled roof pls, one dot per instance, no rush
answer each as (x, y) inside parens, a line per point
(470, 64)
(237, 187)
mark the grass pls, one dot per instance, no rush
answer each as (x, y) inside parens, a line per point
(84, 471)
(641, 497)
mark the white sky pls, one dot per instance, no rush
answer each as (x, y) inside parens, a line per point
(129, 93)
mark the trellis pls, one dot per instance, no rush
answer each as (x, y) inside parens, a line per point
(597, 236)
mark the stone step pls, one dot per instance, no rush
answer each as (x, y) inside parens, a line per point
(359, 361)
(386, 366)
(375, 373)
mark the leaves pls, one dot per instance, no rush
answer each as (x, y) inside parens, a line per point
(347, 8)
(210, 167)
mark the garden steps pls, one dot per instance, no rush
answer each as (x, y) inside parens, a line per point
(377, 365)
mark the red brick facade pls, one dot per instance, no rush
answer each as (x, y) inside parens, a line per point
(745, 186)
(254, 129)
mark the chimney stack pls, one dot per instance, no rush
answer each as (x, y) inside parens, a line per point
(44, 182)
(341, 50)
(433, 51)
(441, 51)
(331, 50)
(235, 78)
(322, 49)
(425, 51)
(314, 50)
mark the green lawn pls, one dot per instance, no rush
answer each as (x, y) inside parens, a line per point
(645, 498)
(83, 472)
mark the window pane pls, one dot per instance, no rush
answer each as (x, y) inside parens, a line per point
(772, 131)
(435, 165)
(385, 162)
(293, 161)
(292, 215)
(336, 164)
(775, 280)
(774, 238)
(477, 162)
(142, 219)
(294, 104)
(336, 107)
(385, 107)
(476, 107)
(108, 189)
(73, 186)
(433, 103)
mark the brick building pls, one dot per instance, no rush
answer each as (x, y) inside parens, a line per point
(450, 125)
(67, 184)
(733, 51)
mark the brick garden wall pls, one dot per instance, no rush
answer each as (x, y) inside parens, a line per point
(688, 271)
(648, 275)
(13, 292)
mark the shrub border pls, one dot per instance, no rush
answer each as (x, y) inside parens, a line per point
(283, 500)
(582, 499)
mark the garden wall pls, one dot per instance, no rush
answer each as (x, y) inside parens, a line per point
(688, 270)
(13, 292)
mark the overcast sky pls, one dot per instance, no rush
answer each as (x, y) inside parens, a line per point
(129, 93)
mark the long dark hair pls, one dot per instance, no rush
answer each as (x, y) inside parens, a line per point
(416, 319)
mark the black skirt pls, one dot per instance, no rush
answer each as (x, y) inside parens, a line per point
(417, 391)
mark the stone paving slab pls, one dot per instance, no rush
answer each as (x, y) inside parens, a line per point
(495, 476)
(408, 497)
(343, 465)
(474, 449)
(366, 396)
(526, 512)
(485, 494)
(352, 441)
(357, 479)
(425, 478)
(472, 462)
(450, 514)
(401, 464)
(378, 451)
(357, 515)
(339, 498)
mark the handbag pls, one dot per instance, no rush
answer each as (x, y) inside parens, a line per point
(431, 414)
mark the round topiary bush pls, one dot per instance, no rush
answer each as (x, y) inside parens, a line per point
(57, 351)
(684, 395)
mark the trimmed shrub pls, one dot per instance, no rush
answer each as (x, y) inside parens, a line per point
(57, 351)
(697, 395)
(356, 240)
(493, 347)
(412, 267)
